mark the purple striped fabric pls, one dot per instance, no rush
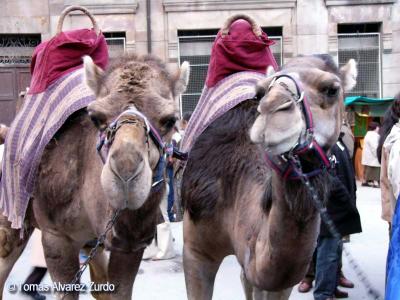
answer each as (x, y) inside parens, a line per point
(34, 126)
(216, 101)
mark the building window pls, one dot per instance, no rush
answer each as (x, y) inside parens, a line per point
(17, 48)
(116, 42)
(363, 43)
(195, 47)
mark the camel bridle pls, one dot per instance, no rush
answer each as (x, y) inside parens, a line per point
(289, 166)
(285, 164)
(134, 117)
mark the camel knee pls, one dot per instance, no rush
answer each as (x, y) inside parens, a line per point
(9, 241)
(5, 244)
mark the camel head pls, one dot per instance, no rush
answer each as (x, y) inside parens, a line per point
(281, 123)
(135, 97)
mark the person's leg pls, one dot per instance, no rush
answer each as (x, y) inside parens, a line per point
(34, 278)
(326, 268)
(170, 174)
(306, 284)
(343, 281)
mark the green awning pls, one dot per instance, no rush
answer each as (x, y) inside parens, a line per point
(359, 100)
(368, 107)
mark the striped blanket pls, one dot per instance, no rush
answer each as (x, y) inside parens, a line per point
(34, 126)
(216, 101)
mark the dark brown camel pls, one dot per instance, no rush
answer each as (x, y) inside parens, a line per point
(234, 202)
(76, 195)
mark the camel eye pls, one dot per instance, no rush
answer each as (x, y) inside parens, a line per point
(332, 92)
(168, 122)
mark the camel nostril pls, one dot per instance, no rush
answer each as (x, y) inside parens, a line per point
(126, 165)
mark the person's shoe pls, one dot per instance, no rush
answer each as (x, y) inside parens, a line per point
(341, 294)
(346, 239)
(344, 282)
(304, 286)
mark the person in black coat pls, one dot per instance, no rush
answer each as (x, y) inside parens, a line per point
(341, 203)
(341, 208)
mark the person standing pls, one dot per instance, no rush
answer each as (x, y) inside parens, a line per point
(343, 212)
(39, 268)
(170, 177)
(389, 133)
(393, 258)
(369, 156)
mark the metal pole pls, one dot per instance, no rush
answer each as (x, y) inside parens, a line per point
(148, 18)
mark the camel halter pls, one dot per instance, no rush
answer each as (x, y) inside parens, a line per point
(286, 164)
(107, 136)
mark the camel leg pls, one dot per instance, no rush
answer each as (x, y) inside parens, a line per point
(11, 247)
(62, 259)
(247, 287)
(264, 295)
(200, 270)
(98, 271)
(253, 293)
(122, 270)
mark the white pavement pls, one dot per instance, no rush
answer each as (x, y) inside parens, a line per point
(164, 279)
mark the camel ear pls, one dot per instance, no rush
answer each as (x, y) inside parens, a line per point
(348, 74)
(270, 71)
(183, 80)
(93, 74)
(260, 90)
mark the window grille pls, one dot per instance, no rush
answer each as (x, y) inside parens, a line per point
(17, 48)
(197, 50)
(116, 42)
(365, 48)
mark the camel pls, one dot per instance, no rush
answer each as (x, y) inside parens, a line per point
(236, 204)
(76, 194)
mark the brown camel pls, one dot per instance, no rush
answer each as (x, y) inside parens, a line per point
(76, 195)
(234, 202)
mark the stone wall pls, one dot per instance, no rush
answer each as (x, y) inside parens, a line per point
(308, 26)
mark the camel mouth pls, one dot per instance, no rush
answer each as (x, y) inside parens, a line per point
(284, 144)
(127, 191)
(127, 177)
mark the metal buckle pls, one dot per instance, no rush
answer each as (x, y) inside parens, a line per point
(301, 98)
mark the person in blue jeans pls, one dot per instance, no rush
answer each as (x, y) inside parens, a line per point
(341, 208)
(170, 176)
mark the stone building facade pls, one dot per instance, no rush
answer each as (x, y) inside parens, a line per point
(368, 30)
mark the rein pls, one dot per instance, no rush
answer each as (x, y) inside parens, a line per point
(281, 164)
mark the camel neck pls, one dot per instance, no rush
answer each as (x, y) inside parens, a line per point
(287, 238)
